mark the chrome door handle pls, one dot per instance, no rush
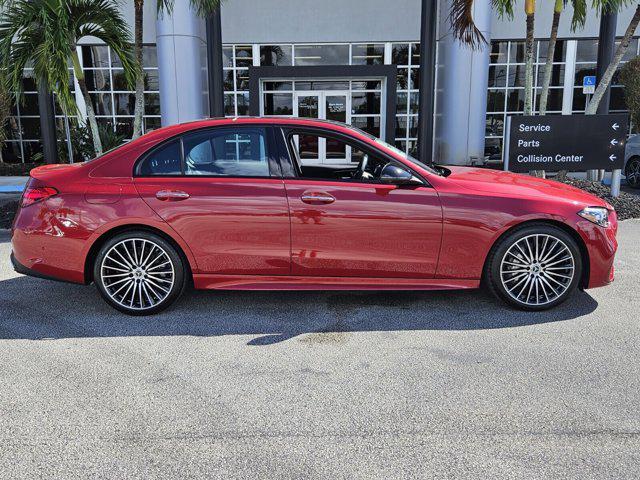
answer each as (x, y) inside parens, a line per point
(171, 195)
(317, 198)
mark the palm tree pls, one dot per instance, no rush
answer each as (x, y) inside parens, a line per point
(578, 20)
(203, 9)
(45, 33)
(5, 109)
(605, 81)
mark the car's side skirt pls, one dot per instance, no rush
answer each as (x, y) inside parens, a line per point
(249, 282)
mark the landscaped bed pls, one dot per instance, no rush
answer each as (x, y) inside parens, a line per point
(8, 208)
(627, 205)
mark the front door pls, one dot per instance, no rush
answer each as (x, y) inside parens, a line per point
(349, 225)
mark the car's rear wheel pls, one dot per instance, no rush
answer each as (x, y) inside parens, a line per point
(632, 172)
(535, 267)
(139, 273)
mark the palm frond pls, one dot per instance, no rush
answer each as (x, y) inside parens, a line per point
(42, 34)
(102, 19)
(611, 5)
(579, 14)
(203, 8)
(462, 24)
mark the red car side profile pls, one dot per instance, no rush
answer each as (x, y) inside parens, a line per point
(283, 203)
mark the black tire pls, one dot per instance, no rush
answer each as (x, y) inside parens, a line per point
(116, 271)
(632, 172)
(551, 286)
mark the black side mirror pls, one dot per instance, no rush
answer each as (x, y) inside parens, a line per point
(393, 175)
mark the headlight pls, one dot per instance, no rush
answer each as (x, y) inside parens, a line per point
(597, 215)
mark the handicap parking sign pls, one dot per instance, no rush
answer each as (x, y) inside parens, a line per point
(589, 85)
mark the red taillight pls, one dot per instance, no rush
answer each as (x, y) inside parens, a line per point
(33, 195)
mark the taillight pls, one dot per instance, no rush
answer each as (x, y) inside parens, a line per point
(33, 195)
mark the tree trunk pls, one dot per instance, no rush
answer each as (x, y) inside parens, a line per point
(604, 83)
(91, 115)
(137, 48)
(528, 74)
(551, 51)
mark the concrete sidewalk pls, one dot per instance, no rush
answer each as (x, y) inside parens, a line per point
(12, 184)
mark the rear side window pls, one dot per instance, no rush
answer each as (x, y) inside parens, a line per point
(226, 153)
(166, 160)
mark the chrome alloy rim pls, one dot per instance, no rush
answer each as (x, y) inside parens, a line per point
(137, 273)
(633, 173)
(537, 269)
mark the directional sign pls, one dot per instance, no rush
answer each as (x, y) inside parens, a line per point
(566, 142)
(589, 85)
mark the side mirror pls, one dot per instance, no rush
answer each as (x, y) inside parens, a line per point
(393, 175)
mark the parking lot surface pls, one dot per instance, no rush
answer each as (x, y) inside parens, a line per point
(320, 385)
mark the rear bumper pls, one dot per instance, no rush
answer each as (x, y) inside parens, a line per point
(23, 270)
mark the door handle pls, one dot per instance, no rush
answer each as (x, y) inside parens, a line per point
(171, 195)
(317, 198)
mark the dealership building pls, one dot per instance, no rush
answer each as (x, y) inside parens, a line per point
(352, 61)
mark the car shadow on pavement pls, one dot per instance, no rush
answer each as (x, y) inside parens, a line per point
(32, 308)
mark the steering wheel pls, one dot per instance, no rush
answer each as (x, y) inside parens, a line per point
(362, 167)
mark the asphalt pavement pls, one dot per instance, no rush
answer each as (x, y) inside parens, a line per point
(320, 385)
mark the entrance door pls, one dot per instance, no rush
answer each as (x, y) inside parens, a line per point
(326, 105)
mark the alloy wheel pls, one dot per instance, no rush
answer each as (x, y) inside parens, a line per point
(537, 269)
(632, 172)
(137, 274)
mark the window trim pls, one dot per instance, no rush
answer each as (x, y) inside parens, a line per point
(270, 146)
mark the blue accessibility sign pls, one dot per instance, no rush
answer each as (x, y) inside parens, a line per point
(589, 85)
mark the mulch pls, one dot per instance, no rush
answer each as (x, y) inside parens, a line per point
(627, 205)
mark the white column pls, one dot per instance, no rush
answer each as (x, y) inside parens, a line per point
(569, 77)
(462, 92)
(181, 42)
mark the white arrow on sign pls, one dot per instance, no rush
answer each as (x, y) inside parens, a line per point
(613, 158)
(614, 142)
(615, 126)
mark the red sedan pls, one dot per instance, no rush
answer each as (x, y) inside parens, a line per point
(261, 204)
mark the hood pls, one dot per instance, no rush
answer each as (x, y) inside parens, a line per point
(499, 182)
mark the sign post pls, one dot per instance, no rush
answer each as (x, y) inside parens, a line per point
(567, 142)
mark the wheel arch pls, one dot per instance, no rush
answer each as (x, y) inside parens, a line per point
(584, 252)
(107, 235)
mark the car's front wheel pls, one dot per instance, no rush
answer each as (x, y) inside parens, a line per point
(632, 172)
(139, 273)
(535, 267)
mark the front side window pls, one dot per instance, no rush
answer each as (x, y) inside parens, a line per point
(326, 157)
(165, 160)
(227, 153)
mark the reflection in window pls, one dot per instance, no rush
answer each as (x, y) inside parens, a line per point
(163, 161)
(226, 153)
(367, 54)
(275, 55)
(278, 103)
(321, 54)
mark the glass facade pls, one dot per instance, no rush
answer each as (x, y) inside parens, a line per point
(574, 59)
(363, 100)
(364, 95)
(113, 103)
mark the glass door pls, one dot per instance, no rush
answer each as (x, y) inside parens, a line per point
(307, 105)
(326, 105)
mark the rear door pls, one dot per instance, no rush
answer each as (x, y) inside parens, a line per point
(221, 191)
(357, 227)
